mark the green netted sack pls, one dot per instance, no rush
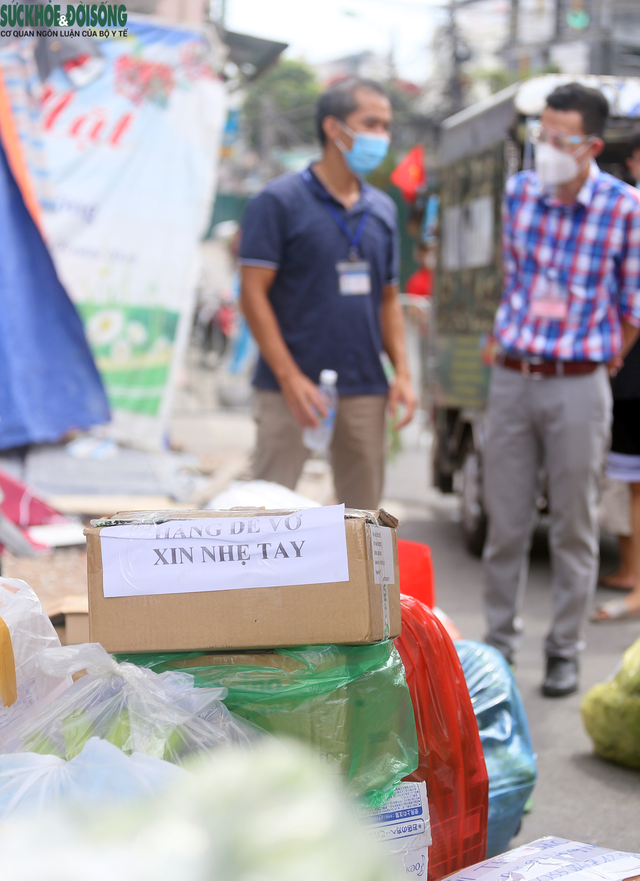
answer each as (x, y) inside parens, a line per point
(611, 712)
(350, 703)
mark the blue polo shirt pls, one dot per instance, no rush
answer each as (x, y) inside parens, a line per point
(288, 227)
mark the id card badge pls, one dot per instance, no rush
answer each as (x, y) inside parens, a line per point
(354, 278)
(548, 300)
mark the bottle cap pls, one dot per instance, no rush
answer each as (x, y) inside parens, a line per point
(328, 377)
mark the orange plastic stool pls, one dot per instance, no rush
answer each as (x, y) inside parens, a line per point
(416, 571)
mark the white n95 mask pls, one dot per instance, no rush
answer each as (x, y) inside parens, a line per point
(554, 167)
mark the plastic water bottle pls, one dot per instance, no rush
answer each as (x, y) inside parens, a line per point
(318, 439)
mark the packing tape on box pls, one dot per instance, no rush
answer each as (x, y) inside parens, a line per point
(8, 684)
(386, 615)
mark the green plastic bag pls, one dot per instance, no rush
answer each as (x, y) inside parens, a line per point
(350, 703)
(611, 712)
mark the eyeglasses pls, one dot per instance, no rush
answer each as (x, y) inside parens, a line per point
(567, 143)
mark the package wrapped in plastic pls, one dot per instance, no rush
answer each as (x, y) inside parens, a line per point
(268, 814)
(451, 759)
(162, 716)
(350, 703)
(25, 630)
(504, 732)
(611, 712)
(101, 774)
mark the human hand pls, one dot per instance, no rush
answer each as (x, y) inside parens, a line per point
(615, 365)
(304, 399)
(401, 392)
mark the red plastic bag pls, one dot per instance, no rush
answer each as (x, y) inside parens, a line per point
(451, 758)
(416, 571)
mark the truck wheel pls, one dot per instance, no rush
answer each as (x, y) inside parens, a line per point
(444, 482)
(441, 479)
(474, 518)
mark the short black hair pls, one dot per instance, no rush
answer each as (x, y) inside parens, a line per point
(591, 104)
(634, 142)
(339, 100)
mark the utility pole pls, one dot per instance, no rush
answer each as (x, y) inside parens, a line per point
(557, 30)
(514, 27)
(267, 136)
(455, 86)
(602, 61)
(459, 53)
(392, 72)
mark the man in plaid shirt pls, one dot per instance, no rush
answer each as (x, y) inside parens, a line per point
(570, 309)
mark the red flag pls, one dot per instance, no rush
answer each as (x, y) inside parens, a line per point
(410, 174)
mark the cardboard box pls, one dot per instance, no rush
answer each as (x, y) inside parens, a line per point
(552, 857)
(242, 579)
(70, 618)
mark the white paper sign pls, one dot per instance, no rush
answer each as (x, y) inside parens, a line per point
(226, 553)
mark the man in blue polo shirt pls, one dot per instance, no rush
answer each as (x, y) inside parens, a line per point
(319, 291)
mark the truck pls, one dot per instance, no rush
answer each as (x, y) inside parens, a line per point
(480, 148)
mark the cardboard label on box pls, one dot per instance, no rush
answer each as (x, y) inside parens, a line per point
(228, 553)
(227, 604)
(382, 554)
(381, 550)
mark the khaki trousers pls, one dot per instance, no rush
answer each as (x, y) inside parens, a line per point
(357, 449)
(560, 424)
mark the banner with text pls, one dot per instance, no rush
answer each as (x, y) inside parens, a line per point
(131, 129)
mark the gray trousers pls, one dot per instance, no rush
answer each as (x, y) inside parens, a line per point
(559, 425)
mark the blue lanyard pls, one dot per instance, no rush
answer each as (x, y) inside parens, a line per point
(354, 238)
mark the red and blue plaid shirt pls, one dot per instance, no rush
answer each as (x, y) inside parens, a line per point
(591, 250)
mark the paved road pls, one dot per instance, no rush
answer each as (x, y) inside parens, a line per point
(577, 795)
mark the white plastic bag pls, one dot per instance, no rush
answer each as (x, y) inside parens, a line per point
(101, 774)
(25, 630)
(259, 493)
(137, 710)
(270, 814)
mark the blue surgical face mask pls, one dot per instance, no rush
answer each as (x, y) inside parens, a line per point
(367, 152)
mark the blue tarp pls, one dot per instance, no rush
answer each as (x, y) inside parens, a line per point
(49, 383)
